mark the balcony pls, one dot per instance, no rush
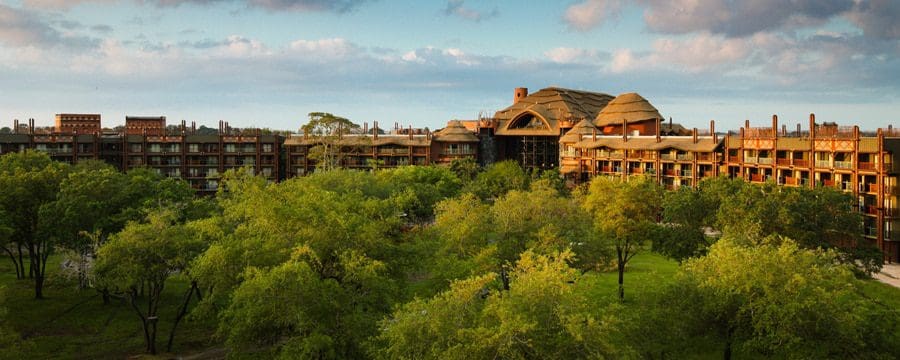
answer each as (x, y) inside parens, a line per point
(801, 162)
(788, 180)
(734, 159)
(757, 178)
(783, 162)
(670, 172)
(828, 183)
(686, 173)
(823, 163)
(666, 157)
(866, 166)
(764, 161)
(843, 164)
(707, 174)
(684, 157)
(870, 210)
(872, 188)
(750, 160)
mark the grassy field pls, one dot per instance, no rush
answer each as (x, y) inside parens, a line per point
(75, 324)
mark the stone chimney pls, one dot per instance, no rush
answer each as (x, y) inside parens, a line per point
(519, 94)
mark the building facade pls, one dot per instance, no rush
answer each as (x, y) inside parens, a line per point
(583, 134)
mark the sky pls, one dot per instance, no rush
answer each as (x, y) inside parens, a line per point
(268, 63)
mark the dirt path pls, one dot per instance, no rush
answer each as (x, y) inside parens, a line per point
(890, 274)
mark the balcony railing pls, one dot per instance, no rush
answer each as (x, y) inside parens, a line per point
(750, 159)
(686, 173)
(784, 162)
(734, 159)
(843, 164)
(757, 177)
(866, 166)
(823, 163)
(788, 180)
(764, 161)
(801, 162)
(666, 157)
(873, 188)
(684, 157)
(670, 172)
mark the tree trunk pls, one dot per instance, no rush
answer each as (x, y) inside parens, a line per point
(729, 334)
(19, 270)
(30, 270)
(621, 267)
(181, 313)
(504, 277)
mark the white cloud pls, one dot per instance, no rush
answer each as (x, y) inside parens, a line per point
(589, 14)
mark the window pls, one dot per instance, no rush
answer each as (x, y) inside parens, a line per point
(267, 148)
(193, 148)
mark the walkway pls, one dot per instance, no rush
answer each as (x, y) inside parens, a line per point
(890, 274)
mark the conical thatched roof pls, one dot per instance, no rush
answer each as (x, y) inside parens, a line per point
(582, 128)
(630, 107)
(455, 132)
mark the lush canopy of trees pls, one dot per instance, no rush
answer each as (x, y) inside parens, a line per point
(456, 262)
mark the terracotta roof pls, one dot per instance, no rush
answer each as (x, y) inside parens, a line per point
(455, 132)
(551, 105)
(630, 107)
(583, 128)
(685, 143)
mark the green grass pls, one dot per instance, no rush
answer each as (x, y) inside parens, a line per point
(75, 324)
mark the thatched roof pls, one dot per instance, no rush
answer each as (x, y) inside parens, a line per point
(582, 128)
(455, 132)
(550, 105)
(629, 107)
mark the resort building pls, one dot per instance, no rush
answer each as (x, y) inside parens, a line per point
(583, 134)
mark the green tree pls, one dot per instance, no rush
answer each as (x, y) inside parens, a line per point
(686, 213)
(86, 210)
(330, 231)
(29, 180)
(325, 129)
(780, 301)
(418, 188)
(544, 315)
(624, 213)
(146, 254)
(497, 179)
(466, 169)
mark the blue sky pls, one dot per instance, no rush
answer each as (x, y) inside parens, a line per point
(270, 62)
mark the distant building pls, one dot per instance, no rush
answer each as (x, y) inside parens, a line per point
(77, 123)
(145, 125)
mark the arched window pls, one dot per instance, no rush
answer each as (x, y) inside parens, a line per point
(528, 121)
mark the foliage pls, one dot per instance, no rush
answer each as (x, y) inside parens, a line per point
(466, 169)
(543, 315)
(418, 188)
(498, 179)
(774, 299)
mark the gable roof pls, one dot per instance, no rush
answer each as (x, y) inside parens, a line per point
(582, 128)
(552, 105)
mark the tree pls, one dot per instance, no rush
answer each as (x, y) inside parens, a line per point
(325, 129)
(29, 180)
(625, 213)
(5, 130)
(497, 179)
(466, 169)
(146, 254)
(87, 209)
(686, 213)
(780, 301)
(317, 247)
(544, 315)
(418, 188)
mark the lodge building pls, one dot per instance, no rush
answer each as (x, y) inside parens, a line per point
(583, 134)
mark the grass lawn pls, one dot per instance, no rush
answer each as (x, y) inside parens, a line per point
(75, 324)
